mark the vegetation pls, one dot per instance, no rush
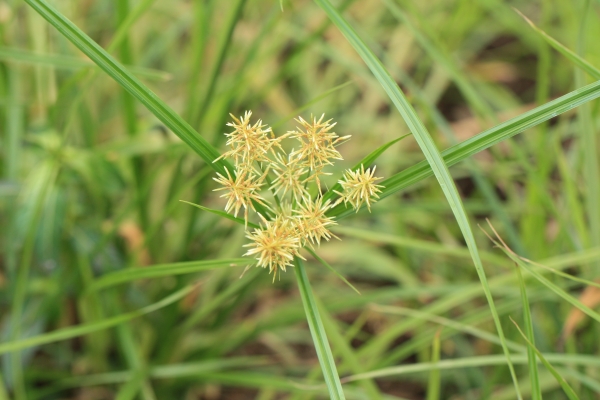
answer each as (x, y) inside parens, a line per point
(122, 273)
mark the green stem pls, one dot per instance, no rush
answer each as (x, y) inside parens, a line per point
(317, 331)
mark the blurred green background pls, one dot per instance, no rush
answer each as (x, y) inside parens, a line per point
(91, 182)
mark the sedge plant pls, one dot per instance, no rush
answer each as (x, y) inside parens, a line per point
(295, 219)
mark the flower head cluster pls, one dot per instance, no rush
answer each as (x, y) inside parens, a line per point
(297, 219)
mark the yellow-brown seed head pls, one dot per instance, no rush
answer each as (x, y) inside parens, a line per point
(275, 245)
(359, 187)
(313, 224)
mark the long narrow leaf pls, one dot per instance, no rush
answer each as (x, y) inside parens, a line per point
(432, 154)
(221, 214)
(471, 362)
(131, 84)
(484, 140)
(157, 271)
(433, 385)
(84, 329)
(560, 292)
(326, 264)
(562, 49)
(536, 393)
(566, 388)
(12, 54)
(317, 331)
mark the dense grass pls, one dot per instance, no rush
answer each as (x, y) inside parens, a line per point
(111, 287)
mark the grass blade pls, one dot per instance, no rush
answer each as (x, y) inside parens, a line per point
(536, 393)
(317, 331)
(222, 214)
(433, 385)
(325, 263)
(470, 362)
(84, 329)
(432, 154)
(367, 161)
(12, 54)
(572, 56)
(157, 271)
(567, 389)
(131, 84)
(346, 352)
(308, 104)
(575, 302)
(484, 140)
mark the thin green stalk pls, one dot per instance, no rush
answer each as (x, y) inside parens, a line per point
(11, 157)
(536, 393)
(129, 116)
(433, 384)
(85, 329)
(20, 290)
(587, 132)
(482, 141)
(563, 383)
(135, 362)
(469, 362)
(133, 85)
(202, 13)
(432, 154)
(317, 331)
(345, 350)
(236, 14)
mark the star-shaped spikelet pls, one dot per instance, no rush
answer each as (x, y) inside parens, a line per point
(359, 187)
(275, 244)
(313, 224)
(289, 177)
(249, 142)
(241, 191)
(317, 143)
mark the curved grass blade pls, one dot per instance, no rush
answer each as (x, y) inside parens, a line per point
(84, 329)
(222, 214)
(124, 27)
(317, 331)
(12, 54)
(484, 140)
(565, 386)
(345, 351)
(169, 371)
(560, 292)
(471, 362)
(157, 271)
(131, 84)
(449, 323)
(433, 384)
(325, 263)
(429, 247)
(432, 154)
(562, 49)
(536, 393)
(367, 161)
(310, 103)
